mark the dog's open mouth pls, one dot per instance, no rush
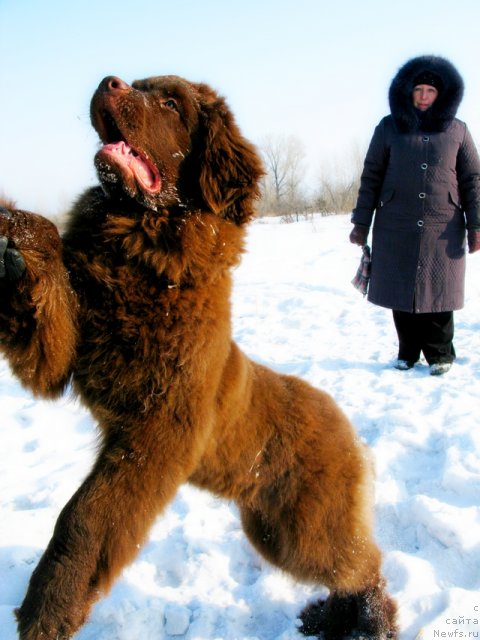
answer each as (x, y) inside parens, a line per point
(117, 150)
(145, 172)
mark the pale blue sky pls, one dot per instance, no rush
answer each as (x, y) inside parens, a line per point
(314, 69)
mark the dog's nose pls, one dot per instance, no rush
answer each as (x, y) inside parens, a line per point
(112, 84)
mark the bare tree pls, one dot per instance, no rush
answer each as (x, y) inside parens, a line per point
(338, 184)
(282, 186)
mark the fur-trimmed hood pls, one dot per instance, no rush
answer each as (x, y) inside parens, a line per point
(443, 110)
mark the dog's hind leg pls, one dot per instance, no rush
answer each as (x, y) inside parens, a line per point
(327, 540)
(350, 566)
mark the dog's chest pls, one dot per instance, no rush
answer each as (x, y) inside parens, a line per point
(128, 307)
(134, 338)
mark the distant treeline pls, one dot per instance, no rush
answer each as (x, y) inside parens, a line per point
(284, 192)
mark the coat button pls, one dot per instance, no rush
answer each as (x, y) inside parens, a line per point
(421, 195)
(424, 166)
(420, 223)
(426, 138)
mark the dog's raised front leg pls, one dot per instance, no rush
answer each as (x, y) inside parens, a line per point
(38, 308)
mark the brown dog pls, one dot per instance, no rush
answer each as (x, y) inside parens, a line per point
(132, 307)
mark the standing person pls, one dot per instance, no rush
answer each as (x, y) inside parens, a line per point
(422, 179)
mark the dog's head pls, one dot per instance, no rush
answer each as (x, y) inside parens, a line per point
(169, 142)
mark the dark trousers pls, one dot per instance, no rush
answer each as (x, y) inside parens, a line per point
(430, 333)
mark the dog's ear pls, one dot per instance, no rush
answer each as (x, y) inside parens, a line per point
(230, 167)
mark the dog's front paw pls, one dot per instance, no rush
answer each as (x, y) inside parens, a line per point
(28, 242)
(48, 629)
(12, 264)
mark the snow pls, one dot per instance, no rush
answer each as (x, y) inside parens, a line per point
(198, 578)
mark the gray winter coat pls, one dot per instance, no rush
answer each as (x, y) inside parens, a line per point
(422, 181)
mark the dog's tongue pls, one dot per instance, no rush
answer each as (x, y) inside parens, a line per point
(128, 157)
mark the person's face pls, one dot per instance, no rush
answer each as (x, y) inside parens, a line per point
(424, 95)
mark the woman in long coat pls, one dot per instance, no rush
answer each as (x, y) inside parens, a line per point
(421, 178)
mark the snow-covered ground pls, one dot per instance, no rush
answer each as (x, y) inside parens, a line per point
(197, 578)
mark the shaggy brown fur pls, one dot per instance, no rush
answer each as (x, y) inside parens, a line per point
(132, 307)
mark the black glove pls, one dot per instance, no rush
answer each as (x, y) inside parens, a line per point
(359, 234)
(473, 239)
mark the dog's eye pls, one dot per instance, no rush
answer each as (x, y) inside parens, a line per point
(171, 104)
